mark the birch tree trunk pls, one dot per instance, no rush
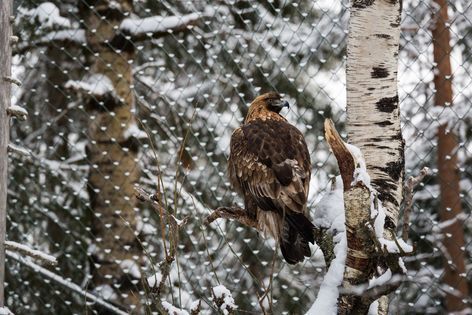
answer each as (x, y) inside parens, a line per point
(112, 154)
(453, 234)
(373, 123)
(5, 90)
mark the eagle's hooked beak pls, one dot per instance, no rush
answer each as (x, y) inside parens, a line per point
(281, 104)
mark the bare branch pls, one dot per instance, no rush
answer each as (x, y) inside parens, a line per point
(36, 254)
(12, 80)
(410, 185)
(65, 283)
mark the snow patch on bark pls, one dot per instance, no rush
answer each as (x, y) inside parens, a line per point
(330, 214)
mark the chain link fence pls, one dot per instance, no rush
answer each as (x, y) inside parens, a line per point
(178, 77)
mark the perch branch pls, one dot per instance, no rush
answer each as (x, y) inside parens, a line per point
(236, 213)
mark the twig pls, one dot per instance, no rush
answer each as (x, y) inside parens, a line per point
(65, 283)
(12, 80)
(142, 195)
(36, 254)
(410, 184)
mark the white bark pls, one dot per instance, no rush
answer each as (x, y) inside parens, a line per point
(373, 112)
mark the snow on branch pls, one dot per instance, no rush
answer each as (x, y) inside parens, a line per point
(5, 311)
(223, 299)
(97, 86)
(13, 148)
(74, 36)
(158, 26)
(47, 15)
(36, 254)
(65, 283)
(19, 112)
(172, 310)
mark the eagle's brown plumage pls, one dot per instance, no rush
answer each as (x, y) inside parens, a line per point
(269, 166)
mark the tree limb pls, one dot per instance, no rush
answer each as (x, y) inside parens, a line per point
(410, 184)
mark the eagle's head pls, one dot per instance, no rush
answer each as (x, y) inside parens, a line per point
(266, 106)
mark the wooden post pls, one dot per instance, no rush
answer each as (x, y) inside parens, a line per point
(5, 86)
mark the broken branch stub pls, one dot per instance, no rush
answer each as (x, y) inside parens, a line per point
(346, 161)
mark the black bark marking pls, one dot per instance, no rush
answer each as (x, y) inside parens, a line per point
(375, 139)
(398, 136)
(387, 104)
(386, 36)
(132, 143)
(389, 224)
(371, 88)
(384, 123)
(385, 189)
(393, 169)
(122, 42)
(362, 4)
(105, 103)
(379, 72)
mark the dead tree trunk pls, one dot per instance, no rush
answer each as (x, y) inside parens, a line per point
(112, 154)
(448, 175)
(5, 90)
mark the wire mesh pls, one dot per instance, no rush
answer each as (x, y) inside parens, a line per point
(186, 89)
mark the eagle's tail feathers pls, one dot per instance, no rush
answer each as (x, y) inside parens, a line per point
(297, 232)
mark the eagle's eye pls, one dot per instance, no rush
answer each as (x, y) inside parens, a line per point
(276, 105)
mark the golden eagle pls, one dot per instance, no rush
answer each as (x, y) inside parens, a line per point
(269, 166)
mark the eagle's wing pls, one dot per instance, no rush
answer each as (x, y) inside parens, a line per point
(269, 162)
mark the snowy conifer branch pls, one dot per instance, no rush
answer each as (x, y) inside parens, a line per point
(139, 29)
(65, 283)
(410, 184)
(35, 254)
